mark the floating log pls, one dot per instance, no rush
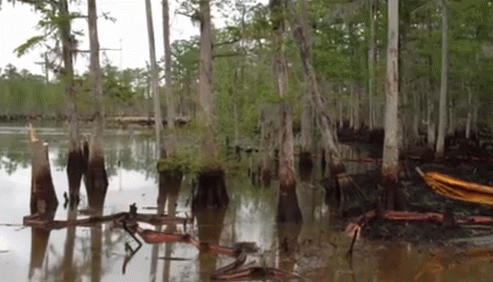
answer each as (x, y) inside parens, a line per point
(456, 188)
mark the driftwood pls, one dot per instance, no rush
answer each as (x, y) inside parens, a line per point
(118, 218)
(406, 216)
(230, 272)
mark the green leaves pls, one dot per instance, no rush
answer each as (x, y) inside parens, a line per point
(30, 44)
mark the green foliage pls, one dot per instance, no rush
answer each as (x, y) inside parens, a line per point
(185, 160)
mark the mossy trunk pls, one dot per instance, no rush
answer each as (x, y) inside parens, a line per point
(288, 209)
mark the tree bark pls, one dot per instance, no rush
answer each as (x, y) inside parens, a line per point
(43, 197)
(302, 39)
(211, 190)
(205, 79)
(172, 144)
(371, 63)
(390, 162)
(96, 178)
(76, 163)
(288, 209)
(158, 120)
(442, 120)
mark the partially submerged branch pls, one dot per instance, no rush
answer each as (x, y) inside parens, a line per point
(118, 218)
(231, 272)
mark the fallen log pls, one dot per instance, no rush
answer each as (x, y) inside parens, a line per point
(118, 218)
(456, 188)
(407, 216)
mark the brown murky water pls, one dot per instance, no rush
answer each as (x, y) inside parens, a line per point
(315, 250)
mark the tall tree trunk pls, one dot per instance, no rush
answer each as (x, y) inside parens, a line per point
(390, 165)
(75, 166)
(96, 178)
(302, 39)
(205, 79)
(442, 120)
(172, 144)
(211, 190)
(371, 64)
(158, 120)
(288, 209)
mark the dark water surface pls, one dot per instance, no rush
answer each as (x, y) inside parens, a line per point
(316, 250)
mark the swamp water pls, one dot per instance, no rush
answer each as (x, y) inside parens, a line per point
(315, 250)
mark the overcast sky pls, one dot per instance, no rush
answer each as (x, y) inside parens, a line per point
(18, 23)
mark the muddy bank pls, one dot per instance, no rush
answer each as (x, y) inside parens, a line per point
(462, 161)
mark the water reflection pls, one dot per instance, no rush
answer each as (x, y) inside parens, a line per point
(316, 249)
(210, 226)
(68, 269)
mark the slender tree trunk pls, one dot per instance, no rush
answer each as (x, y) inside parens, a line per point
(168, 81)
(302, 39)
(75, 166)
(205, 79)
(442, 121)
(390, 165)
(288, 209)
(96, 178)
(158, 120)
(371, 64)
(305, 159)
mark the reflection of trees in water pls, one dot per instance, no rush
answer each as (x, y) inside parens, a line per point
(132, 151)
(84, 256)
(13, 154)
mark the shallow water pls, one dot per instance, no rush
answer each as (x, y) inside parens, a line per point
(316, 250)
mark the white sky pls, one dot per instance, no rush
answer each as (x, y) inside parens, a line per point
(18, 23)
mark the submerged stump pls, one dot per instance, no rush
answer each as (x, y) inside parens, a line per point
(211, 191)
(43, 196)
(96, 179)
